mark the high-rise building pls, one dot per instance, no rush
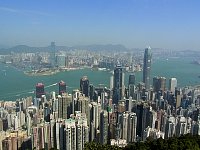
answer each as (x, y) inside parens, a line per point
(64, 106)
(181, 126)
(131, 79)
(118, 84)
(147, 68)
(91, 92)
(62, 87)
(129, 122)
(39, 90)
(170, 127)
(159, 84)
(131, 86)
(70, 131)
(84, 85)
(52, 57)
(103, 127)
(172, 84)
(83, 106)
(77, 132)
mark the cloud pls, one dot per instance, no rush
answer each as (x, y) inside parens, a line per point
(8, 9)
(25, 12)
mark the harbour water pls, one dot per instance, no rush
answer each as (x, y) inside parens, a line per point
(15, 84)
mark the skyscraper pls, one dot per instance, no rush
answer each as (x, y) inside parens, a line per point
(131, 79)
(159, 84)
(52, 57)
(131, 85)
(62, 87)
(172, 84)
(39, 90)
(103, 127)
(118, 85)
(84, 85)
(64, 106)
(128, 128)
(147, 68)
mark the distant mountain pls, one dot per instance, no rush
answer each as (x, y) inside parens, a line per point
(25, 48)
(108, 47)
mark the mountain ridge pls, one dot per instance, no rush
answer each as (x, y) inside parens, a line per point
(93, 47)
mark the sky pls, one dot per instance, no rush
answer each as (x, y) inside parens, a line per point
(171, 24)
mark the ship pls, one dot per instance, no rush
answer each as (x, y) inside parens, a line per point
(197, 62)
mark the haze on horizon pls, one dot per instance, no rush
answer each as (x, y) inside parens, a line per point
(172, 24)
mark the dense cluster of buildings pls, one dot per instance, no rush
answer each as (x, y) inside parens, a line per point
(54, 58)
(117, 115)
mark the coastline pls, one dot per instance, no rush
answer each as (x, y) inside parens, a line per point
(48, 72)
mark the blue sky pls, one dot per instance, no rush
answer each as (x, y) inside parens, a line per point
(173, 24)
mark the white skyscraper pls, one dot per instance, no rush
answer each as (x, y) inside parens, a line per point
(172, 84)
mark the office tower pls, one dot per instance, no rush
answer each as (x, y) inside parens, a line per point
(67, 62)
(118, 85)
(103, 127)
(159, 84)
(178, 96)
(62, 136)
(62, 87)
(145, 117)
(52, 57)
(131, 79)
(172, 84)
(39, 90)
(84, 85)
(91, 92)
(131, 86)
(64, 106)
(147, 68)
(47, 112)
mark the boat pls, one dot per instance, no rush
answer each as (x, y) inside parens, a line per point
(197, 62)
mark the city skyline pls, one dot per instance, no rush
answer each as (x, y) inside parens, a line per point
(135, 24)
(120, 115)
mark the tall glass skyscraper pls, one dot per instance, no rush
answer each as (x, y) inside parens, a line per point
(84, 85)
(52, 56)
(118, 84)
(147, 67)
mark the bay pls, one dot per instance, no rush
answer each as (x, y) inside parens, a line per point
(15, 84)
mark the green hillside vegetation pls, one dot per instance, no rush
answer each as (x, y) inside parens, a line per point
(184, 142)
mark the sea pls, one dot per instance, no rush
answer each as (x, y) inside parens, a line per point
(14, 84)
